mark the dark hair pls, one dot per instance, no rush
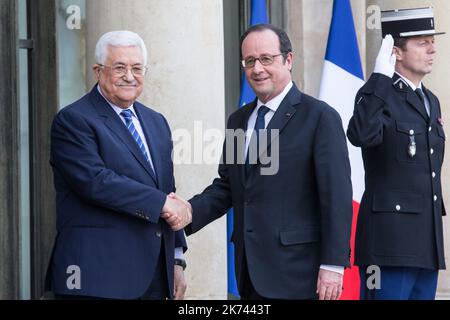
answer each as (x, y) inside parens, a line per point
(401, 43)
(285, 43)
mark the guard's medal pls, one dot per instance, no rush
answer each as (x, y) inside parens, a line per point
(412, 144)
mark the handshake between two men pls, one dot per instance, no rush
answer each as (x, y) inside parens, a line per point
(177, 212)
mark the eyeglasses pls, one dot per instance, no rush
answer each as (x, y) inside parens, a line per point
(265, 60)
(121, 70)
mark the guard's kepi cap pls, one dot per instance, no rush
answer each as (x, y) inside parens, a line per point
(402, 23)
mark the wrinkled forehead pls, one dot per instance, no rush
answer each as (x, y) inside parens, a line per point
(125, 54)
(260, 42)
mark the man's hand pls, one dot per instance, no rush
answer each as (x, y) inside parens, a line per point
(177, 212)
(180, 283)
(385, 63)
(329, 285)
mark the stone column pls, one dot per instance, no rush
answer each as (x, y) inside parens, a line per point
(437, 81)
(185, 83)
(9, 156)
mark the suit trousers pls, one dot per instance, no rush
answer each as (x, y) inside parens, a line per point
(401, 283)
(248, 290)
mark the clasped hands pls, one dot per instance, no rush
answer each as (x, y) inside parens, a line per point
(177, 212)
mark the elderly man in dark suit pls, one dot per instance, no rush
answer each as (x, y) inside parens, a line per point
(111, 158)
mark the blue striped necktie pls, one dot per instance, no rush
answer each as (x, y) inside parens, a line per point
(127, 115)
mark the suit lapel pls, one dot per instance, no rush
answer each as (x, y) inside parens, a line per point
(434, 112)
(415, 102)
(410, 96)
(117, 127)
(284, 114)
(150, 133)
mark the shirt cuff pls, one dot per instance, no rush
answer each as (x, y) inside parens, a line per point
(179, 253)
(337, 269)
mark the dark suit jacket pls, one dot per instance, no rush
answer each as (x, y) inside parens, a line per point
(109, 201)
(400, 217)
(297, 219)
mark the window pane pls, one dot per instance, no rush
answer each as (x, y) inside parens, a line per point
(71, 50)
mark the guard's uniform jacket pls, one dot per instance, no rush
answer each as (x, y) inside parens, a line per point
(400, 217)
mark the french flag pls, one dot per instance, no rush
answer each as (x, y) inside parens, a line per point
(342, 77)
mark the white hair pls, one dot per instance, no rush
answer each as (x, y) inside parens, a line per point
(120, 38)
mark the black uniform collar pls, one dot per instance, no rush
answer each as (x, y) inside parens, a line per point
(401, 85)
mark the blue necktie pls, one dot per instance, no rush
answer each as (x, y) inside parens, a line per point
(259, 125)
(127, 115)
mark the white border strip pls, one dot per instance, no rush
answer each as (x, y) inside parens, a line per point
(416, 33)
(400, 18)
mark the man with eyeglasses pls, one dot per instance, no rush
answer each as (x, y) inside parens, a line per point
(291, 228)
(111, 159)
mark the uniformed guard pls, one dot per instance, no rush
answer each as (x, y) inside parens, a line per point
(398, 124)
